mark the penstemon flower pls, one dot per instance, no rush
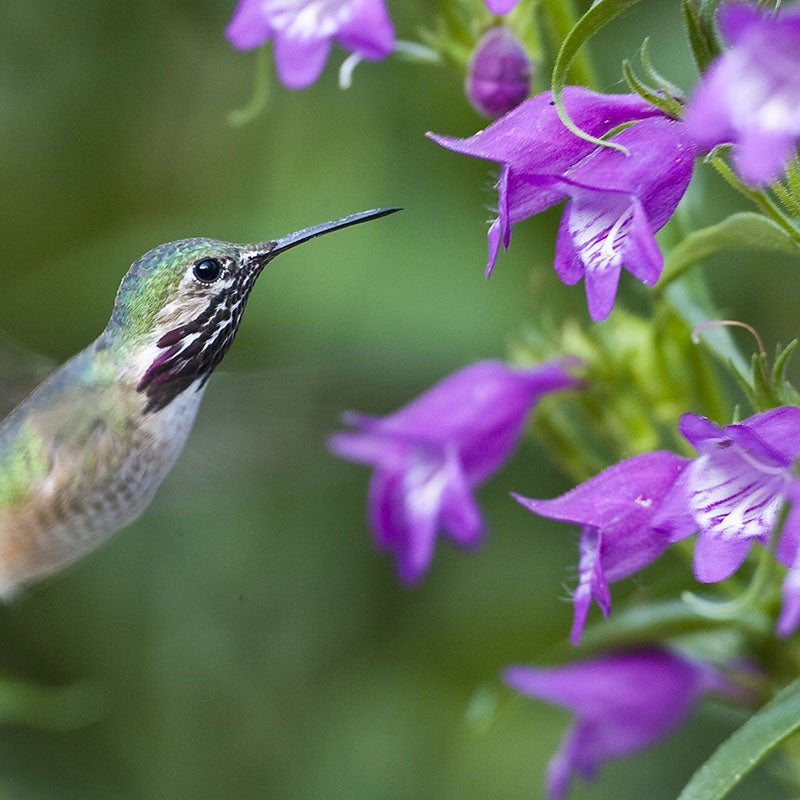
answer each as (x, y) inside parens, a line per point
(431, 454)
(622, 702)
(304, 29)
(618, 200)
(750, 96)
(616, 509)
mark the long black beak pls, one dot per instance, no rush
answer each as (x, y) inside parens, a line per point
(264, 252)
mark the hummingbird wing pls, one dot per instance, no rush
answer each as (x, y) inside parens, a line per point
(21, 370)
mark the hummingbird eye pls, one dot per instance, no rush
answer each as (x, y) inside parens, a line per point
(207, 270)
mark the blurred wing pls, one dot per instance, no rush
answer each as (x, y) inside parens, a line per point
(21, 370)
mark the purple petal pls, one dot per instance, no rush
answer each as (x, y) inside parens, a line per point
(716, 559)
(480, 409)
(460, 515)
(532, 138)
(761, 155)
(601, 290)
(500, 6)
(790, 610)
(641, 255)
(737, 19)
(567, 264)
(300, 61)
(592, 582)
(627, 493)
(778, 432)
(368, 30)
(404, 511)
(249, 27)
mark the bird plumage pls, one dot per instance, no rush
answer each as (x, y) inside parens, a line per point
(84, 454)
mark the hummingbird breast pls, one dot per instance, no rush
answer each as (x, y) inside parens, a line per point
(78, 461)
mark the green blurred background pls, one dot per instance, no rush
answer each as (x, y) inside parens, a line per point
(243, 639)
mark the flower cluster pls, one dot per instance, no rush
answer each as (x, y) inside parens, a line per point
(431, 454)
(618, 198)
(620, 164)
(731, 495)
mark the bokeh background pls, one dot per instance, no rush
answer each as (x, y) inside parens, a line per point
(243, 639)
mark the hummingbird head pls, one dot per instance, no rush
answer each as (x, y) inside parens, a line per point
(182, 303)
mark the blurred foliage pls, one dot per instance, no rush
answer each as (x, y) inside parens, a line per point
(248, 639)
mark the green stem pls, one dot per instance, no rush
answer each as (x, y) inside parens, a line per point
(260, 97)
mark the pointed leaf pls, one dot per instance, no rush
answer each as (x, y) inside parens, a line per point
(746, 229)
(758, 737)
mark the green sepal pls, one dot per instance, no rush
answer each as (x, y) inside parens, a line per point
(601, 13)
(702, 37)
(764, 395)
(746, 229)
(758, 737)
(656, 97)
(788, 394)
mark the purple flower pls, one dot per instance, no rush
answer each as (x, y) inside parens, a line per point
(431, 454)
(303, 31)
(622, 703)
(733, 492)
(616, 509)
(750, 95)
(500, 6)
(788, 553)
(499, 74)
(617, 200)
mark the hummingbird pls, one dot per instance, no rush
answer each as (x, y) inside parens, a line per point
(84, 454)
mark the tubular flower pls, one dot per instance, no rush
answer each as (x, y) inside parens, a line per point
(304, 29)
(618, 200)
(615, 508)
(431, 454)
(733, 492)
(622, 703)
(750, 95)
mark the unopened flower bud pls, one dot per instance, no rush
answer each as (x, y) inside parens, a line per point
(499, 73)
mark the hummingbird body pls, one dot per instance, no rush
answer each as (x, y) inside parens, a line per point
(84, 454)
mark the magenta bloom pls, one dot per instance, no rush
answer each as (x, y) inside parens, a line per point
(431, 454)
(616, 509)
(500, 6)
(622, 703)
(617, 201)
(303, 31)
(732, 495)
(750, 95)
(499, 74)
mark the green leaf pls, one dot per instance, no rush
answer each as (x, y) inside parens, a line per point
(747, 229)
(653, 622)
(601, 13)
(758, 737)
